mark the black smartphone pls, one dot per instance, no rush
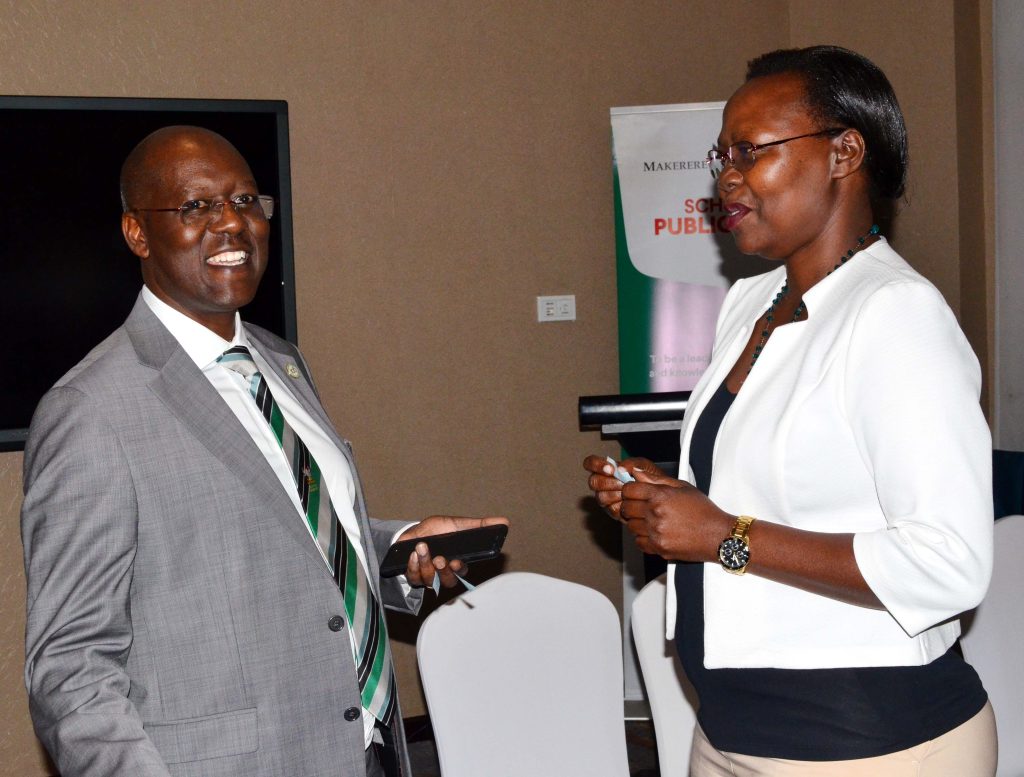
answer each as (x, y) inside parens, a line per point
(467, 545)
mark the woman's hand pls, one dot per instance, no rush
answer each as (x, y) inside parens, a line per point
(668, 516)
(673, 520)
(608, 489)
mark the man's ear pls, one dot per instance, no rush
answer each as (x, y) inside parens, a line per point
(134, 235)
(848, 153)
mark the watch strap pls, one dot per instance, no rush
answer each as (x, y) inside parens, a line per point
(742, 526)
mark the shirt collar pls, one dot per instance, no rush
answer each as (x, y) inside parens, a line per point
(202, 345)
(817, 294)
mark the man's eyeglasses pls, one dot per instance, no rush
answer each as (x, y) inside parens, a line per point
(742, 155)
(204, 211)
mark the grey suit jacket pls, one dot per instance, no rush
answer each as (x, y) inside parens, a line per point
(177, 608)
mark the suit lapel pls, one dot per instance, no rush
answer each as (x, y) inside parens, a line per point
(289, 372)
(286, 369)
(190, 397)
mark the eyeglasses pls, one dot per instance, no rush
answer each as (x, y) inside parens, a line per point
(742, 155)
(196, 212)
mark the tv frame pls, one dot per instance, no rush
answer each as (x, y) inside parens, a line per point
(13, 439)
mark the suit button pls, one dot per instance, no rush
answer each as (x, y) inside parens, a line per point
(353, 713)
(337, 623)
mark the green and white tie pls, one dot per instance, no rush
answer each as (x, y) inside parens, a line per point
(369, 633)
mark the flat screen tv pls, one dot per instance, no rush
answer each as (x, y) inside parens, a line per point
(67, 279)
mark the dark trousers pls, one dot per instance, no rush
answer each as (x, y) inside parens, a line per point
(373, 767)
(382, 758)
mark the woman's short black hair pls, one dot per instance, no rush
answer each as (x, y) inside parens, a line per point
(845, 89)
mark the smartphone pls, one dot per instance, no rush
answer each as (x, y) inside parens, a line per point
(467, 545)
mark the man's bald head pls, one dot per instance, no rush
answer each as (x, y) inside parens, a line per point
(205, 262)
(147, 164)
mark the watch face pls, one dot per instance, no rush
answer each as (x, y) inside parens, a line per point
(733, 553)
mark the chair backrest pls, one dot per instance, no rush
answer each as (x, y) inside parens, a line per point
(523, 678)
(992, 640)
(672, 698)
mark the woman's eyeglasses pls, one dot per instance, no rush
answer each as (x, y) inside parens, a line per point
(742, 155)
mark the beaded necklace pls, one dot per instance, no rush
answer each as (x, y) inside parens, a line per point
(770, 313)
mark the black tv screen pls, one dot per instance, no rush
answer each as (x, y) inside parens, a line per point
(67, 279)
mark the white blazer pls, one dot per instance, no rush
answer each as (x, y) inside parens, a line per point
(864, 418)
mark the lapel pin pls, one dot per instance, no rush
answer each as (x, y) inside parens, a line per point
(292, 371)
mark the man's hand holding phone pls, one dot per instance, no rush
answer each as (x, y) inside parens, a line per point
(443, 545)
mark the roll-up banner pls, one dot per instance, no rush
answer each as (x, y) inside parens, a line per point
(674, 265)
(674, 260)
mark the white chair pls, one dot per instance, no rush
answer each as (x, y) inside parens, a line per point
(523, 678)
(992, 640)
(672, 698)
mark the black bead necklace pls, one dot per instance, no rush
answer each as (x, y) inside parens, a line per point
(770, 313)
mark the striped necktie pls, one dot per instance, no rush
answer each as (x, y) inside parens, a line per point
(369, 635)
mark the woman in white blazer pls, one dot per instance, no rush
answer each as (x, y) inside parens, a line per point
(833, 511)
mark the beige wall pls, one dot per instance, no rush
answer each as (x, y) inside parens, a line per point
(450, 162)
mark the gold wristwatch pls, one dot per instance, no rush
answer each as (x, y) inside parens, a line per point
(734, 552)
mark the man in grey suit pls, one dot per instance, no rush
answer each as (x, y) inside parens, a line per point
(184, 609)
